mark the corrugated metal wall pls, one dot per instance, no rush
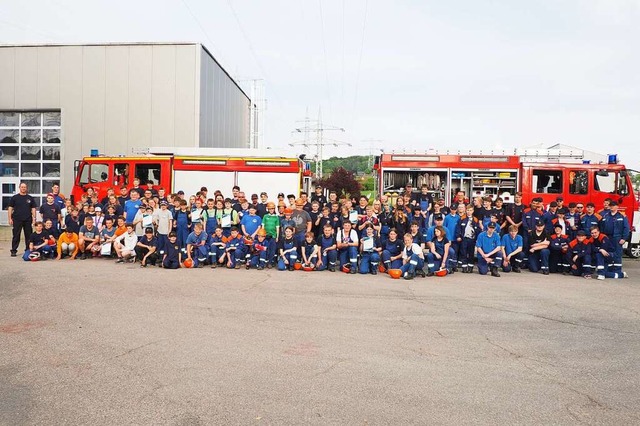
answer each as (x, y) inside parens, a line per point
(116, 98)
(224, 108)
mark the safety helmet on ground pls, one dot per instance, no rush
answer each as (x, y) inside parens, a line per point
(34, 256)
(188, 263)
(395, 273)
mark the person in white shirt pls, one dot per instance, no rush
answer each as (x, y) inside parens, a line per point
(412, 258)
(125, 245)
(163, 220)
(347, 242)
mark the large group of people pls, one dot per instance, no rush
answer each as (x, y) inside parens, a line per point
(412, 233)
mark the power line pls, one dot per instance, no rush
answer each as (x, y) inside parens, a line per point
(211, 43)
(364, 26)
(326, 63)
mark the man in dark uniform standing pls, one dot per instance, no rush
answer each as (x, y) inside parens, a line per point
(22, 216)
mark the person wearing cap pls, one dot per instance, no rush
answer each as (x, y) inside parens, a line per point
(559, 256)
(146, 249)
(51, 210)
(67, 244)
(319, 196)
(604, 250)
(539, 249)
(589, 218)
(512, 250)
(98, 218)
(489, 249)
(302, 221)
(580, 255)
(616, 226)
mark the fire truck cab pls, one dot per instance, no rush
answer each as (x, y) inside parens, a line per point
(253, 171)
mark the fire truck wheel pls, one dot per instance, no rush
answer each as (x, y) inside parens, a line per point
(634, 251)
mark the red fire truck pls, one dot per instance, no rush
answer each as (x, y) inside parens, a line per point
(188, 169)
(536, 173)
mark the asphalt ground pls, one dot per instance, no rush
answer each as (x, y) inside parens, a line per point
(91, 342)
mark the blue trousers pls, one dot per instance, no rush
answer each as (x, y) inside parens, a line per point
(292, 257)
(162, 241)
(582, 266)
(236, 256)
(368, 261)
(467, 247)
(259, 259)
(415, 262)
(435, 264)
(199, 254)
(538, 260)
(483, 266)
(606, 265)
(215, 253)
(348, 255)
(388, 263)
(328, 259)
(516, 260)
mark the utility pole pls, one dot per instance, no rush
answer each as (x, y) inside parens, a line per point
(320, 141)
(257, 111)
(372, 143)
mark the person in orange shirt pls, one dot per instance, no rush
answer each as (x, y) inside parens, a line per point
(68, 245)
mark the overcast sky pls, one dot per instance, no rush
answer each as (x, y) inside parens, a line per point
(409, 74)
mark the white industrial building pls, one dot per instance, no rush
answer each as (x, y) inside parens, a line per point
(59, 102)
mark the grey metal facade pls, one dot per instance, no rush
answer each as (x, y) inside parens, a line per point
(119, 98)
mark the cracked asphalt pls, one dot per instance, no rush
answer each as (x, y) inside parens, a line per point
(91, 342)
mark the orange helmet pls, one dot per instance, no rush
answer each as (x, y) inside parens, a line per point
(297, 266)
(261, 232)
(381, 268)
(441, 273)
(288, 210)
(307, 268)
(271, 204)
(395, 273)
(188, 263)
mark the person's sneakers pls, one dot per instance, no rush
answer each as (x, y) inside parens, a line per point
(83, 256)
(143, 265)
(587, 276)
(14, 254)
(516, 269)
(332, 268)
(601, 277)
(408, 276)
(625, 275)
(545, 272)
(421, 273)
(120, 260)
(430, 273)
(494, 272)
(247, 266)
(374, 271)
(214, 265)
(237, 266)
(290, 267)
(260, 268)
(352, 271)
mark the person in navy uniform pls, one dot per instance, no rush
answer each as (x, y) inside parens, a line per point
(467, 232)
(559, 256)
(539, 249)
(438, 252)
(590, 218)
(616, 226)
(172, 253)
(604, 250)
(146, 249)
(22, 216)
(412, 259)
(38, 243)
(259, 251)
(235, 249)
(328, 249)
(217, 243)
(370, 256)
(392, 251)
(581, 254)
(348, 242)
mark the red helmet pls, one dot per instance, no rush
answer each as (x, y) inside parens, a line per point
(188, 263)
(441, 273)
(395, 273)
